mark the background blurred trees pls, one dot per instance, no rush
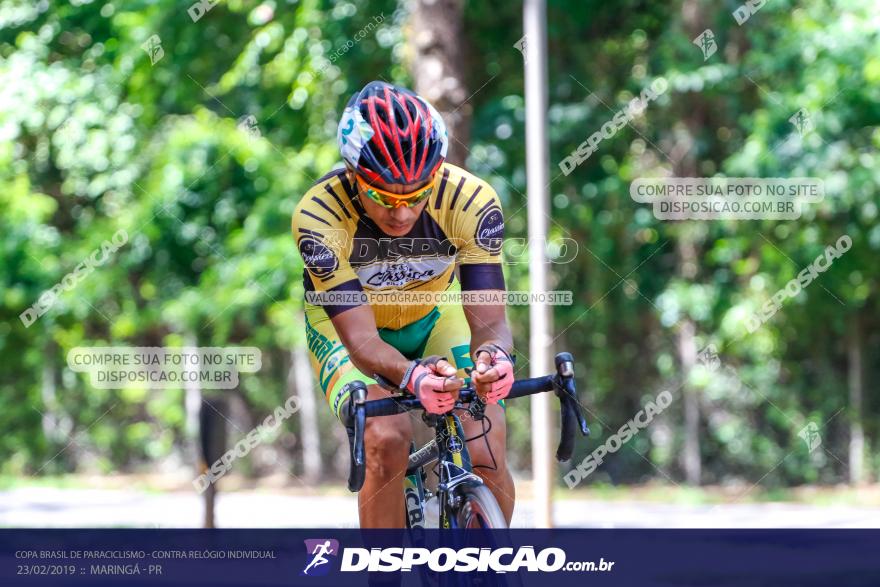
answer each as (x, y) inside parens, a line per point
(200, 145)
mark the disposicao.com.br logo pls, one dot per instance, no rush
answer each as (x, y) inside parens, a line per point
(469, 559)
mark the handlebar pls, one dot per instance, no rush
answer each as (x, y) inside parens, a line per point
(358, 409)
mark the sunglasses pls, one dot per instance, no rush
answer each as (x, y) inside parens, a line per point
(391, 200)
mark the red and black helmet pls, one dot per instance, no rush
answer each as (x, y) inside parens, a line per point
(389, 133)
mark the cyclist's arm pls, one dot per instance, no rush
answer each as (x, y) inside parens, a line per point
(488, 326)
(357, 330)
(479, 228)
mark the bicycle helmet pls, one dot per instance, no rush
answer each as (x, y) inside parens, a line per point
(389, 133)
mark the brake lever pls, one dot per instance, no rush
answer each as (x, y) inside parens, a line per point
(570, 412)
(582, 421)
(571, 398)
(567, 421)
(565, 380)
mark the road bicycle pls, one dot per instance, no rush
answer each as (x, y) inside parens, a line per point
(463, 500)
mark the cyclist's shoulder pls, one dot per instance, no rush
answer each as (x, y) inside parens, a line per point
(335, 181)
(456, 174)
(461, 190)
(463, 200)
(326, 202)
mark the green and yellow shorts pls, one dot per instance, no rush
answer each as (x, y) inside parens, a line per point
(444, 331)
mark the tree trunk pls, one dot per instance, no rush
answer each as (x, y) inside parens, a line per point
(192, 401)
(685, 165)
(212, 445)
(856, 396)
(55, 423)
(438, 67)
(687, 354)
(299, 382)
(687, 357)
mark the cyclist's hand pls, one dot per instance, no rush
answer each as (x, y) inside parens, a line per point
(434, 382)
(493, 373)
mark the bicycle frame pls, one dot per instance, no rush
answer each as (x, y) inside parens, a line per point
(449, 448)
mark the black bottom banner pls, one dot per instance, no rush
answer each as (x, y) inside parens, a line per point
(545, 558)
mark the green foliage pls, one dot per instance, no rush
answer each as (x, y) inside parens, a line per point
(94, 138)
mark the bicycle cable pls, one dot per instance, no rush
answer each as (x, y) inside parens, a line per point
(483, 434)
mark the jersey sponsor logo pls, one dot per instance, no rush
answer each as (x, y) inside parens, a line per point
(319, 345)
(403, 273)
(399, 276)
(490, 230)
(329, 368)
(320, 260)
(340, 397)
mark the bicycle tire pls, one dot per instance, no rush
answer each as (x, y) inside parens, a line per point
(479, 509)
(479, 501)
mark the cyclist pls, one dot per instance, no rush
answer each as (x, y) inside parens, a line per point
(398, 218)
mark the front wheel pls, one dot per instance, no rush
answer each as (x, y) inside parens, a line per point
(479, 509)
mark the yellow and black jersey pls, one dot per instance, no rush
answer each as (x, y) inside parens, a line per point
(345, 251)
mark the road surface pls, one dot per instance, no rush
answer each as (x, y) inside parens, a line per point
(39, 507)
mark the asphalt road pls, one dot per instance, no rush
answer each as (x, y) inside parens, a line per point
(65, 508)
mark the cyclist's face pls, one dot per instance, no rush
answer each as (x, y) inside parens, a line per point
(395, 221)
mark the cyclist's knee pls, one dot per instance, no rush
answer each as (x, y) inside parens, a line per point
(486, 457)
(387, 443)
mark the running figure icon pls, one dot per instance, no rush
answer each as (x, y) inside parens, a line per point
(319, 552)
